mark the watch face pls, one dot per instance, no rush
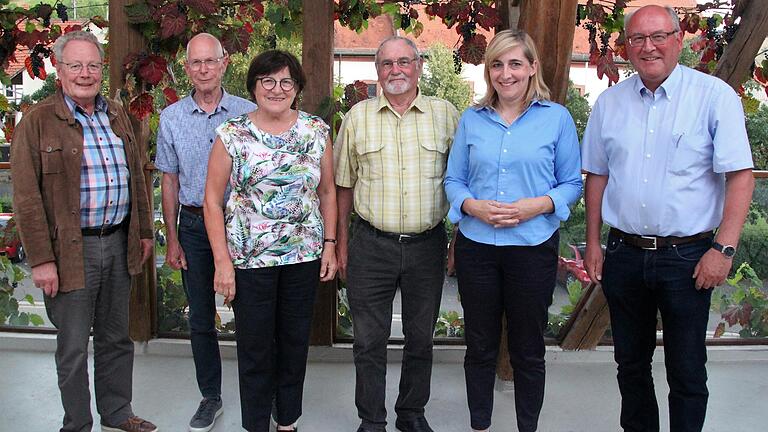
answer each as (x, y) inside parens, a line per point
(729, 251)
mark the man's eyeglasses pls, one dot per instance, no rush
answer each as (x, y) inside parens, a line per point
(196, 65)
(387, 65)
(658, 38)
(76, 68)
(287, 84)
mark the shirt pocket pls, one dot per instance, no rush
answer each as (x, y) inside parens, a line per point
(433, 157)
(51, 158)
(692, 154)
(371, 162)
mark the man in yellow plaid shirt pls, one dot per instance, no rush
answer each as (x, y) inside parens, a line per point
(390, 158)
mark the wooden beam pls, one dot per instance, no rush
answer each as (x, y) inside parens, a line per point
(589, 321)
(551, 24)
(317, 53)
(734, 67)
(317, 61)
(123, 40)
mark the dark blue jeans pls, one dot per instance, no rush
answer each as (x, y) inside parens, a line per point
(198, 285)
(637, 284)
(273, 317)
(378, 266)
(517, 282)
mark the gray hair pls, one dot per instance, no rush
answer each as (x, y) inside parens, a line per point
(672, 17)
(210, 36)
(408, 42)
(63, 40)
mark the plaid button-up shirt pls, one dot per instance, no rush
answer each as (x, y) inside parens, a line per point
(104, 177)
(396, 163)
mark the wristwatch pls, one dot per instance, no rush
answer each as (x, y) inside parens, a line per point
(727, 250)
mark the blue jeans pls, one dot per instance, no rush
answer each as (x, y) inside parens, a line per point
(637, 283)
(273, 316)
(198, 285)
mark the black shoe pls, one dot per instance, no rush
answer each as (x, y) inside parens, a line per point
(364, 429)
(416, 425)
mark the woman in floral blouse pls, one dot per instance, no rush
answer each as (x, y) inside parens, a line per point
(273, 237)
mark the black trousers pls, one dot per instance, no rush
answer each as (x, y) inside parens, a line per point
(273, 316)
(517, 281)
(378, 266)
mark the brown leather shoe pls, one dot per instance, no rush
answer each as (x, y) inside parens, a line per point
(132, 424)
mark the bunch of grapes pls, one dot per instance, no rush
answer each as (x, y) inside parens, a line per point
(711, 27)
(456, 62)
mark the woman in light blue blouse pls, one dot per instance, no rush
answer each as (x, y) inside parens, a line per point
(512, 172)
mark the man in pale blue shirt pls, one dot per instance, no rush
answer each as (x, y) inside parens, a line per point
(668, 162)
(185, 138)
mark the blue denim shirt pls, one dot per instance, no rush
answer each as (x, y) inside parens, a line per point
(537, 155)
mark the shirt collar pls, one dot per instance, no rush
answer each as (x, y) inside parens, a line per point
(490, 109)
(226, 98)
(668, 87)
(420, 103)
(99, 105)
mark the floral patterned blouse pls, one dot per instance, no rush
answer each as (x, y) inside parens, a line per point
(272, 216)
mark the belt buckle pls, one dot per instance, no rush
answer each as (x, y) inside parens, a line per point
(654, 247)
(403, 238)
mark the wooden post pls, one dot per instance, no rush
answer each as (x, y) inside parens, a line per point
(123, 40)
(317, 61)
(739, 55)
(589, 321)
(551, 24)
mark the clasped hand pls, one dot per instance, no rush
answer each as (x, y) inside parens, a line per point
(501, 215)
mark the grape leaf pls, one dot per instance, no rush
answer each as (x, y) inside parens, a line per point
(473, 50)
(205, 7)
(142, 106)
(170, 95)
(172, 25)
(152, 68)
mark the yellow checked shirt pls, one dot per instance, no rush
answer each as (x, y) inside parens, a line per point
(396, 164)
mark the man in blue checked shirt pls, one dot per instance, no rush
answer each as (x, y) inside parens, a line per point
(85, 221)
(668, 163)
(185, 138)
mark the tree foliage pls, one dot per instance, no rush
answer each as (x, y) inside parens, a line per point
(440, 78)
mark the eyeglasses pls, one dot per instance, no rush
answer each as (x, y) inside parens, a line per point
(287, 84)
(658, 38)
(196, 65)
(387, 65)
(76, 68)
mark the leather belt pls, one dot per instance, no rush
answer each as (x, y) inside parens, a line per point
(404, 237)
(653, 242)
(103, 230)
(194, 210)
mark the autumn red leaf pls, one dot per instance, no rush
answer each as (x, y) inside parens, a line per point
(236, 40)
(487, 17)
(170, 96)
(472, 50)
(606, 67)
(35, 69)
(172, 25)
(73, 27)
(760, 76)
(152, 68)
(205, 7)
(248, 27)
(355, 92)
(141, 106)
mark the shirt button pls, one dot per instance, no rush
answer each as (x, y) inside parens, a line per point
(642, 205)
(645, 180)
(645, 226)
(49, 149)
(503, 170)
(74, 151)
(505, 150)
(107, 220)
(405, 216)
(651, 131)
(501, 193)
(648, 155)
(509, 133)
(654, 107)
(405, 193)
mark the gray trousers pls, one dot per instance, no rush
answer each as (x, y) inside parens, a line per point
(378, 266)
(101, 305)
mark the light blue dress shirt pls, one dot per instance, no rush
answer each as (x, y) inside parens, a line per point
(185, 138)
(537, 155)
(666, 152)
